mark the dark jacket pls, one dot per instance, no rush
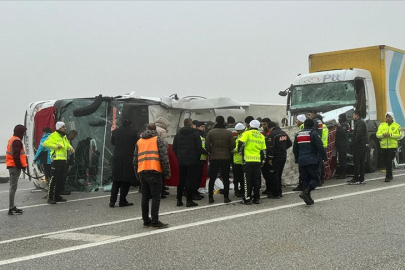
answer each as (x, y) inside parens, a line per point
(220, 143)
(163, 153)
(342, 137)
(308, 148)
(360, 135)
(124, 138)
(187, 146)
(19, 131)
(277, 143)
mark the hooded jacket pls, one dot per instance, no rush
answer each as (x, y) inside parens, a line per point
(18, 147)
(187, 146)
(163, 154)
(43, 151)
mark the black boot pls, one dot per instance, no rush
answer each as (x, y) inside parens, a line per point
(342, 176)
(15, 210)
(179, 202)
(191, 204)
(306, 197)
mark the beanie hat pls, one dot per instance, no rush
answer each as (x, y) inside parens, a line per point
(240, 126)
(59, 125)
(390, 114)
(254, 124)
(301, 118)
(309, 123)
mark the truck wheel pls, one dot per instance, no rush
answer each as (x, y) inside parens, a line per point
(372, 157)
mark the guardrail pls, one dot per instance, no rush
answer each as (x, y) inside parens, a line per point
(2, 159)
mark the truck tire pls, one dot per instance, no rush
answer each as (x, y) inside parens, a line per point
(372, 157)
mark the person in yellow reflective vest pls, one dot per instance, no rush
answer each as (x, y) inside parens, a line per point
(300, 121)
(237, 167)
(253, 149)
(200, 126)
(389, 132)
(59, 144)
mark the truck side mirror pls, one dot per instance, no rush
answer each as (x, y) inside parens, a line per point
(282, 93)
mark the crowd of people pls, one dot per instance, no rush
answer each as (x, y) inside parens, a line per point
(252, 149)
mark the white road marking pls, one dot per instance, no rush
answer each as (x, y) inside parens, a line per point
(87, 237)
(32, 190)
(184, 226)
(138, 218)
(134, 192)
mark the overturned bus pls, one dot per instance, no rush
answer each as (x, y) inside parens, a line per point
(95, 118)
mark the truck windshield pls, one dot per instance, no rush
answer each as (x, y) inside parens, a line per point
(323, 95)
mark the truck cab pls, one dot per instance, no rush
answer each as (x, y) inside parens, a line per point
(334, 92)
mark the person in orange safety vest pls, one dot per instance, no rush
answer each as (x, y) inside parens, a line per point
(150, 161)
(16, 160)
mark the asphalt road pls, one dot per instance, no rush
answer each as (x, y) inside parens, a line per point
(348, 227)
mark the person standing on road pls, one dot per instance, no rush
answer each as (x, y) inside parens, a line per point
(342, 144)
(266, 166)
(58, 143)
(389, 132)
(252, 145)
(360, 148)
(123, 175)
(187, 147)
(307, 150)
(200, 126)
(300, 124)
(277, 144)
(70, 162)
(16, 160)
(43, 156)
(237, 167)
(150, 161)
(220, 144)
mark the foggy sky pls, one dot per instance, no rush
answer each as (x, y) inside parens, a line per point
(246, 50)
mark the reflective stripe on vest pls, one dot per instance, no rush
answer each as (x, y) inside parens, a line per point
(254, 143)
(148, 155)
(203, 156)
(237, 158)
(325, 134)
(9, 153)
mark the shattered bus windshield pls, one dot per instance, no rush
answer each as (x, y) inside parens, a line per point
(323, 95)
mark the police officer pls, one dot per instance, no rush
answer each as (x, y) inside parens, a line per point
(360, 148)
(342, 144)
(277, 144)
(200, 126)
(307, 150)
(389, 132)
(252, 145)
(237, 167)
